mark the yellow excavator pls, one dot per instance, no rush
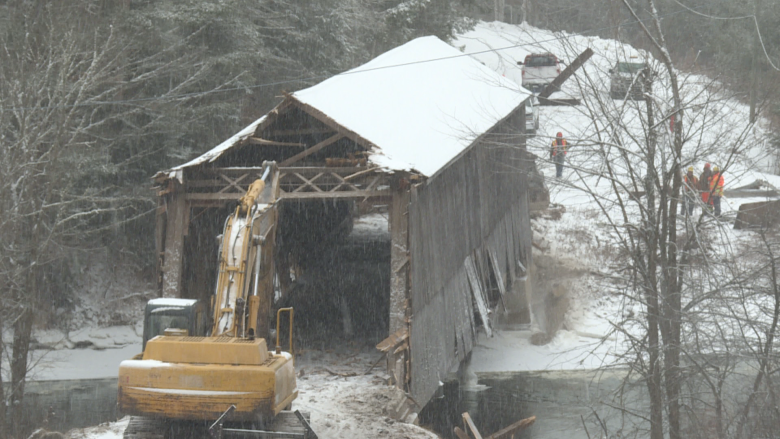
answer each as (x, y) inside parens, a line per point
(197, 370)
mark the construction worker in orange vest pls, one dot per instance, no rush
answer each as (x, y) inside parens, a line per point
(704, 183)
(716, 189)
(690, 192)
(558, 153)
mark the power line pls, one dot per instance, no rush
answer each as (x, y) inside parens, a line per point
(349, 72)
(755, 22)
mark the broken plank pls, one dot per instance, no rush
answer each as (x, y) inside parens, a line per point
(330, 140)
(360, 173)
(460, 433)
(393, 340)
(497, 273)
(381, 357)
(565, 74)
(508, 432)
(479, 296)
(340, 374)
(470, 424)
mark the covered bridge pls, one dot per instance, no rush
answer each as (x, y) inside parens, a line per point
(428, 132)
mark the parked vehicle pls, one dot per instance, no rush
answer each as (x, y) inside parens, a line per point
(531, 115)
(539, 70)
(628, 80)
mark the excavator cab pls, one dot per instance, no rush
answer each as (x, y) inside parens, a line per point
(189, 317)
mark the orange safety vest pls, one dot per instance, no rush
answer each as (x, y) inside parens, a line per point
(692, 186)
(716, 184)
(555, 146)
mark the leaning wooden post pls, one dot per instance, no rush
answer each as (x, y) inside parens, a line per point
(175, 226)
(399, 255)
(398, 361)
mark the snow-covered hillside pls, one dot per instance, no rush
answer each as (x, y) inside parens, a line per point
(500, 46)
(716, 130)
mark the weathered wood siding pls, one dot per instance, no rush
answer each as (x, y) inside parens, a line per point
(476, 205)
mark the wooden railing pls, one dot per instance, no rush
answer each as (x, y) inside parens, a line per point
(294, 183)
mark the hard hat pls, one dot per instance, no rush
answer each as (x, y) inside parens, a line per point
(559, 135)
(715, 169)
(690, 168)
(706, 166)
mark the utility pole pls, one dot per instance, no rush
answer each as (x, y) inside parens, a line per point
(754, 68)
(524, 10)
(498, 6)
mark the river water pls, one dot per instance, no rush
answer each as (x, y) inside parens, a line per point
(567, 404)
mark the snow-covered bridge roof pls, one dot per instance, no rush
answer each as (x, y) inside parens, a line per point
(416, 107)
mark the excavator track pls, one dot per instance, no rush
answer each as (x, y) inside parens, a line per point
(141, 427)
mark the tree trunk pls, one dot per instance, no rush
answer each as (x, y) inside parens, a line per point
(21, 348)
(3, 428)
(654, 382)
(765, 352)
(754, 71)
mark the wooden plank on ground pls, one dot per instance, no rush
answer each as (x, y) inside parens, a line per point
(508, 432)
(479, 295)
(460, 433)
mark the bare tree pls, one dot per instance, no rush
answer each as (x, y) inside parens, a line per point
(68, 93)
(685, 345)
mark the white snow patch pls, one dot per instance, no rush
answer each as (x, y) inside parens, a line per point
(113, 430)
(215, 152)
(167, 301)
(373, 225)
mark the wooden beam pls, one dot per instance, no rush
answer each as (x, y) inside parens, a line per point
(308, 182)
(288, 195)
(393, 340)
(330, 140)
(327, 195)
(316, 169)
(360, 173)
(565, 74)
(260, 141)
(460, 433)
(470, 424)
(508, 432)
(174, 244)
(302, 131)
(325, 119)
(479, 295)
(399, 255)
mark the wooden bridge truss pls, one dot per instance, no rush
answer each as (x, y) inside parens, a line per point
(219, 185)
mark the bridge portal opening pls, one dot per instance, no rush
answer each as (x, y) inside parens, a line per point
(333, 266)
